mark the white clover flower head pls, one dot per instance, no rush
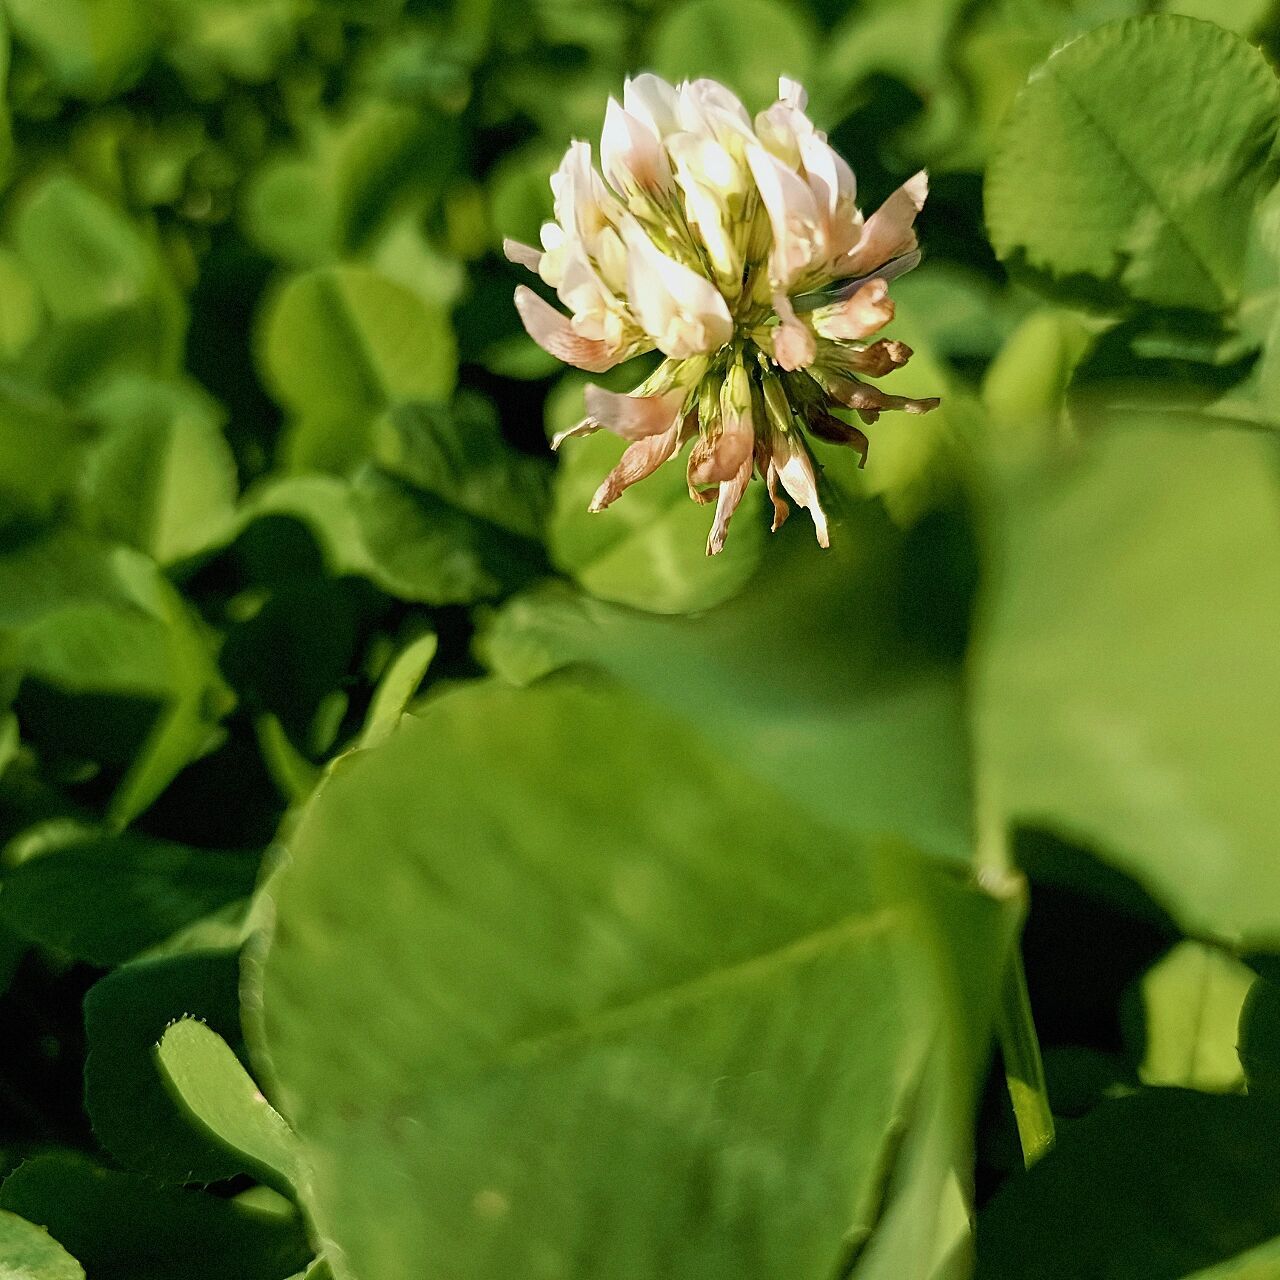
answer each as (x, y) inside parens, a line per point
(736, 249)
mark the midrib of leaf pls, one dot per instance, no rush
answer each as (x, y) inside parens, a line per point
(701, 987)
(364, 365)
(1131, 167)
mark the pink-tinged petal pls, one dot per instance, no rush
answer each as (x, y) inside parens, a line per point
(727, 501)
(632, 417)
(795, 472)
(857, 317)
(794, 345)
(826, 426)
(638, 461)
(523, 255)
(554, 334)
(584, 428)
(631, 154)
(717, 458)
(890, 231)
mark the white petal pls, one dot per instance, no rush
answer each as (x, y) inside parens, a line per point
(652, 100)
(793, 215)
(633, 417)
(890, 231)
(727, 501)
(554, 334)
(792, 93)
(823, 175)
(638, 461)
(795, 471)
(523, 255)
(707, 106)
(682, 311)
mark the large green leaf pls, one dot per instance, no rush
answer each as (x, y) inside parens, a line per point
(28, 1252)
(1127, 690)
(1133, 158)
(612, 951)
(122, 1227)
(834, 675)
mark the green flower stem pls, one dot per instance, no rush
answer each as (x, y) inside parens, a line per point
(1015, 1026)
(1023, 1068)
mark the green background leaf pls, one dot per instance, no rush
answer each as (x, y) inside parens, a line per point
(1135, 156)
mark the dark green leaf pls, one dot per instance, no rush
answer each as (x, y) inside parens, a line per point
(133, 1113)
(123, 1227)
(103, 898)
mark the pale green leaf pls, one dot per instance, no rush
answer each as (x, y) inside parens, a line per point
(1126, 685)
(746, 44)
(163, 478)
(342, 344)
(396, 688)
(219, 1098)
(1191, 1001)
(28, 1252)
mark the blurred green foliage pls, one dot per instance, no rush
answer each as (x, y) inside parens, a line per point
(584, 907)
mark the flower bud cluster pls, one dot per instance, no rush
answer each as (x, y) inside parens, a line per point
(736, 249)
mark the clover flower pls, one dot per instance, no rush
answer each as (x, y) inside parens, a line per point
(737, 250)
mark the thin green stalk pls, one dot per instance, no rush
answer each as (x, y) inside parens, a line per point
(1015, 1026)
(1023, 1068)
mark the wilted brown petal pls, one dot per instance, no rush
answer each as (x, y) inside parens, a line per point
(553, 333)
(629, 416)
(826, 426)
(727, 500)
(718, 457)
(780, 509)
(640, 460)
(865, 398)
(878, 359)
